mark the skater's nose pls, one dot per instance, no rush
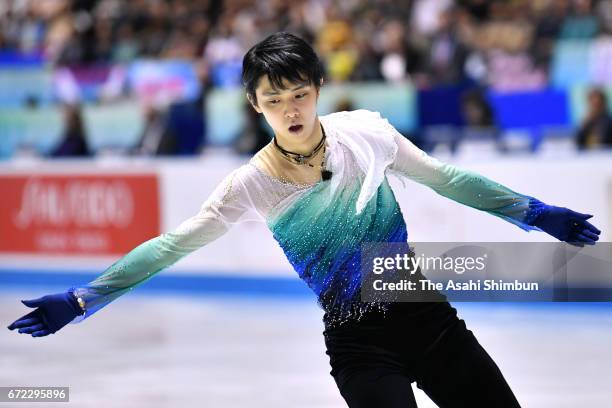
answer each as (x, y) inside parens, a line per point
(291, 112)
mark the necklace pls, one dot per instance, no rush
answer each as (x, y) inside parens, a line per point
(301, 159)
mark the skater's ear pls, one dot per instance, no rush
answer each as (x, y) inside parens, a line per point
(319, 88)
(253, 103)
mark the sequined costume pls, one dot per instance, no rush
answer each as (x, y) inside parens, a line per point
(321, 226)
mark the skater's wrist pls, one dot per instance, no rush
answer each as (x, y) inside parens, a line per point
(537, 212)
(77, 301)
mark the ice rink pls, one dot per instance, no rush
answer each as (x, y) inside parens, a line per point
(255, 351)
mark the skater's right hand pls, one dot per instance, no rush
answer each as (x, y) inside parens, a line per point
(52, 313)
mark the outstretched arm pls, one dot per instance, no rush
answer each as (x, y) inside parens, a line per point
(474, 190)
(223, 207)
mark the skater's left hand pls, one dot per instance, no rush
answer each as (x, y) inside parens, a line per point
(52, 313)
(568, 226)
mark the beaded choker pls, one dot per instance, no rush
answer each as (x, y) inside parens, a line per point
(301, 159)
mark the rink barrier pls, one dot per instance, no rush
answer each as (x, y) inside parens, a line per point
(167, 283)
(214, 285)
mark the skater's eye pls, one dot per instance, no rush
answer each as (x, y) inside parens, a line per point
(300, 96)
(273, 101)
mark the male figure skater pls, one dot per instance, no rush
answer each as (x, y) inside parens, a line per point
(321, 187)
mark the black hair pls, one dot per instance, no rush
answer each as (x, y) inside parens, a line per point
(280, 56)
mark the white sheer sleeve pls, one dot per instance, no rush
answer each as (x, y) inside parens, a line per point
(463, 186)
(228, 204)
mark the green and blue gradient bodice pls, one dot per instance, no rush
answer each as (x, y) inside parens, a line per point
(322, 239)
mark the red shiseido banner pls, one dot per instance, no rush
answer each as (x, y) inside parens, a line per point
(80, 214)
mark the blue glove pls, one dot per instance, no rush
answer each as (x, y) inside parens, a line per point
(53, 312)
(567, 225)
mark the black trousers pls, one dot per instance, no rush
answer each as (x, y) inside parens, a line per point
(375, 360)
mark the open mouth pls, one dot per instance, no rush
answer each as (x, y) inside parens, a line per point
(295, 128)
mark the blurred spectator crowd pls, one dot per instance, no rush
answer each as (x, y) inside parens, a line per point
(171, 53)
(507, 44)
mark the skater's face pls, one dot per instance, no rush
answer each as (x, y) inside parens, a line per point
(291, 111)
